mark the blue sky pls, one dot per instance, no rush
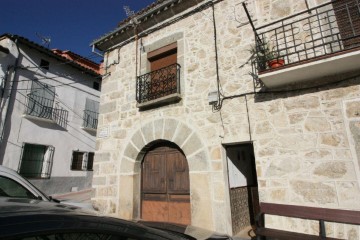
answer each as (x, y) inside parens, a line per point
(71, 24)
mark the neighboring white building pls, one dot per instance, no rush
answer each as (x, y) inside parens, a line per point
(49, 109)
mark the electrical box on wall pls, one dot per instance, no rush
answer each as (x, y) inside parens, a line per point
(212, 97)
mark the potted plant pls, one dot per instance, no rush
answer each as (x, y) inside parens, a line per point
(265, 56)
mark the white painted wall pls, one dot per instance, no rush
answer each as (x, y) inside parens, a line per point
(70, 97)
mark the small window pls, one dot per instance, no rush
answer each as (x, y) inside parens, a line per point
(96, 86)
(44, 64)
(82, 161)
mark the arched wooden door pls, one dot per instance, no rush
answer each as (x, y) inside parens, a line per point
(165, 186)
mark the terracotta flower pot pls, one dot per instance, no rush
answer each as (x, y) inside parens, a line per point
(275, 63)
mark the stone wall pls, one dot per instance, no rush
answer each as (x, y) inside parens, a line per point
(306, 141)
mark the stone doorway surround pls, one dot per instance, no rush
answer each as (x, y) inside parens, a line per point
(201, 187)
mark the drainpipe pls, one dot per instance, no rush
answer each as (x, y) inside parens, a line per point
(11, 70)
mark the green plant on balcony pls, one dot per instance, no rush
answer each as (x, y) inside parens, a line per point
(265, 56)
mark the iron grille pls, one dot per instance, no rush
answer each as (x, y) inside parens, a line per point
(158, 83)
(327, 29)
(41, 107)
(36, 161)
(90, 119)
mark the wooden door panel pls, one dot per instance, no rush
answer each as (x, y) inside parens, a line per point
(179, 212)
(157, 211)
(154, 174)
(178, 173)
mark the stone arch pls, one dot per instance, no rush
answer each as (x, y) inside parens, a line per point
(181, 134)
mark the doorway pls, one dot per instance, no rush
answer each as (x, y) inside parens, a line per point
(165, 185)
(244, 197)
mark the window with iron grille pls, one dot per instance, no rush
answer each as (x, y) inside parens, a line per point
(91, 114)
(36, 161)
(82, 161)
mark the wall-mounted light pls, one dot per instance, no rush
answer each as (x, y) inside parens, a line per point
(3, 52)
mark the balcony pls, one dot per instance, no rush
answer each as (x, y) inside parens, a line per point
(40, 108)
(312, 44)
(90, 120)
(158, 87)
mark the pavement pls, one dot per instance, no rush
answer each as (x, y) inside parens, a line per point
(246, 234)
(80, 196)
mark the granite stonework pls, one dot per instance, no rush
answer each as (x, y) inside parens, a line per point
(306, 142)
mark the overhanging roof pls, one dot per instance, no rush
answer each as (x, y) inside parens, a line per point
(150, 16)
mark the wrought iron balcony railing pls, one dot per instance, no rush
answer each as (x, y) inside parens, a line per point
(158, 83)
(41, 107)
(90, 119)
(328, 29)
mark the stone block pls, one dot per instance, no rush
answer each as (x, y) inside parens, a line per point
(148, 132)
(130, 151)
(99, 181)
(102, 157)
(107, 107)
(304, 103)
(349, 194)
(158, 128)
(127, 165)
(335, 170)
(192, 145)
(353, 109)
(182, 133)
(316, 193)
(198, 162)
(282, 168)
(138, 140)
(317, 125)
(337, 140)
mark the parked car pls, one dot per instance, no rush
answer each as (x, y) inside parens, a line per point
(195, 232)
(14, 185)
(22, 218)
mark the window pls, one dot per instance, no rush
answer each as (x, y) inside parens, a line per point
(44, 64)
(91, 114)
(36, 161)
(41, 100)
(11, 188)
(82, 161)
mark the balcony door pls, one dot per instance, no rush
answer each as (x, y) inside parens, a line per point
(163, 71)
(41, 100)
(347, 14)
(165, 186)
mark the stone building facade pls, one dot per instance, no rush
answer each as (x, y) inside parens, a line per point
(299, 140)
